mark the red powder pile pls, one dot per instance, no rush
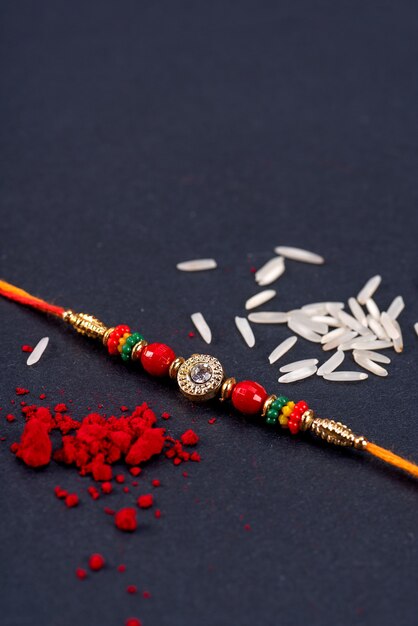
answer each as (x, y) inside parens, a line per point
(96, 443)
(92, 446)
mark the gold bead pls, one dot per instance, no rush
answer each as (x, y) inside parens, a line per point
(107, 335)
(175, 366)
(267, 404)
(227, 389)
(307, 419)
(137, 349)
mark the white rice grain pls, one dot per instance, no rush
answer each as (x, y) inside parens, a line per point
(268, 317)
(396, 308)
(332, 363)
(259, 299)
(202, 327)
(373, 309)
(317, 327)
(282, 348)
(373, 356)
(197, 265)
(372, 345)
(351, 322)
(369, 289)
(357, 311)
(398, 341)
(334, 307)
(333, 334)
(328, 320)
(298, 254)
(300, 374)
(416, 327)
(38, 351)
(303, 330)
(270, 272)
(345, 377)
(377, 328)
(347, 336)
(290, 367)
(245, 330)
(368, 364)
(389, 326)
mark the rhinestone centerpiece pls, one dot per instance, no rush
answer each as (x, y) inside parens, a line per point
(201, 373)
(200, 377)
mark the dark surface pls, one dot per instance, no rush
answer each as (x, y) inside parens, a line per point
(136, 135)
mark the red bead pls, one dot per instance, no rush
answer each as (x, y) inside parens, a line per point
(293, 427)
(157, 358)
(248, 397)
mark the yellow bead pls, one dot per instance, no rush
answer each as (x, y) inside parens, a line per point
(286, 411)
(283, 420)
(291, 405)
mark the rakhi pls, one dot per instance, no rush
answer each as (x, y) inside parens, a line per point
(201, 377)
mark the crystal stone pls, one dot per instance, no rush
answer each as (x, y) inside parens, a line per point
(201, 373)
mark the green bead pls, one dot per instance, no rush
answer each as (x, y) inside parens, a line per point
(272, 413)
(271, 421)
(130, 341)
(125, 357)
(283, 399)
(126, 349)
(137, 337)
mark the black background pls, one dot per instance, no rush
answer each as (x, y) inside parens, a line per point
(138, 134)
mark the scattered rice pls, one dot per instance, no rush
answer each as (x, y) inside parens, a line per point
(259, 299)
(270, 272)
(245, 330)
(396, 307)
(300, 374)
(346, 377)
(332, 363)
(282, 348)
(298, 254)
(416, 327)
(197, 265)
(368, 364)
(369, 289)
(268, 317)
(290, 367)
(202, 327)
(38, 351)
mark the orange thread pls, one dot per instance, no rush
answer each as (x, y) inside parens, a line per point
(393, 459)
(23, 297)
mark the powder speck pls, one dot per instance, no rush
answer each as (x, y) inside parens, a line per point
(96, 562)
(10, 417)
(26, 348)
(131, 589)
(121, 568)
(145, 501)
(133, 621)
(125, 519)
(21, 391)
(189, 438)
(81, 573)
(72, 500)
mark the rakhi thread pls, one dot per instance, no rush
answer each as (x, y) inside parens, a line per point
(201, 377)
